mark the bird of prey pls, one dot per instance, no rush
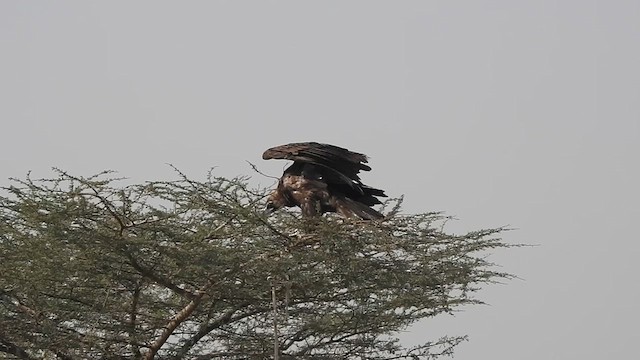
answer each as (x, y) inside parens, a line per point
(323, 178)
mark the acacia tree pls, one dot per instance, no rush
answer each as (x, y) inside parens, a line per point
(193, 269)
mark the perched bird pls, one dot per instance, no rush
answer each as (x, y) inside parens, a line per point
(323, 178)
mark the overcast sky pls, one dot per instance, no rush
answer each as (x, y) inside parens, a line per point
(520, 113)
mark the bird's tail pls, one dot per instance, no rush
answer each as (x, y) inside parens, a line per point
(350, 208)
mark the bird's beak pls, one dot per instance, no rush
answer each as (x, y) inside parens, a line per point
(269, 209)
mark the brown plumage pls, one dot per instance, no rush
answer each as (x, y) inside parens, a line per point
(323, 178)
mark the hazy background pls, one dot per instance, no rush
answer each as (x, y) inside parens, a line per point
(521, 113)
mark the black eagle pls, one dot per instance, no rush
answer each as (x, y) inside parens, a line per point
(323, 178)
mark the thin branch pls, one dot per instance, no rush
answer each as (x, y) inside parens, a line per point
(180, 317)
(276, 338)
(158, 279)
(255, 168)
(224, 319)
(132, 322)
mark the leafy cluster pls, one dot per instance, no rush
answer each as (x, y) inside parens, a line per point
(189, 269)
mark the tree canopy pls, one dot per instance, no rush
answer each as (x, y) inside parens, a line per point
(94, 268)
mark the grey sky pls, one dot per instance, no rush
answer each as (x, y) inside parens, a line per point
(524, 113)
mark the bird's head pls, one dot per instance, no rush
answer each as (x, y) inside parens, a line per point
(275, 201)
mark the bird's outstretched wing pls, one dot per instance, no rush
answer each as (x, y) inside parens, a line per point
(340, 164)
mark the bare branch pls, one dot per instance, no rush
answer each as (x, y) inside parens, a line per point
(181, 316)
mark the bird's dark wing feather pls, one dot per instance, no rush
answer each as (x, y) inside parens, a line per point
(333, 157)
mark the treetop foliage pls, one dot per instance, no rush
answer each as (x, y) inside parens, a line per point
(193, 269)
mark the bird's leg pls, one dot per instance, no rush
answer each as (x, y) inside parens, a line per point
(310, 208)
